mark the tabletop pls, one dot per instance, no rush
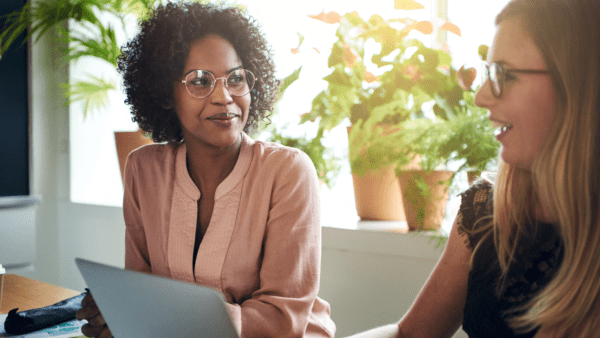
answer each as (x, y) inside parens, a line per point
(25, 293)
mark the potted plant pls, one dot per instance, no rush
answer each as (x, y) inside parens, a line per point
(417, 114)
(411, 75)
(465, 137)
(461, 134)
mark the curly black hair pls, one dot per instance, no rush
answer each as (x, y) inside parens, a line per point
(156, 57)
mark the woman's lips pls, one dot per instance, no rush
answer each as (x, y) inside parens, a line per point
(501, 127)
(223, 119)
(223, 116)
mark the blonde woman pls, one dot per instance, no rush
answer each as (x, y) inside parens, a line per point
(523, 256)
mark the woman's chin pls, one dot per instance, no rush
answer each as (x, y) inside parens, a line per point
(225, 141)
(515, 161)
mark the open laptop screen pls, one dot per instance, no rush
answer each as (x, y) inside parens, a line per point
(136, 304)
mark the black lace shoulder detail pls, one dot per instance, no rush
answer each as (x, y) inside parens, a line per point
(526, 277)
(493, 297)
(476, 205)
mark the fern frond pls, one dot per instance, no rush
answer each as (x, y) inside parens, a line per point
(93, 93)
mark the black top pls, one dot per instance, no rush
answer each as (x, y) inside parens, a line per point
(489, 300)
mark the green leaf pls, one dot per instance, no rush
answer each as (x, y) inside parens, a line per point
(376, 20)
(449, 113)
(38, 18)
(97, 41)
(337, 55)
(482, 51)
(349, 21)
(140, 9)
(93, 93)
(339, 77)
(16, 23)
(318, 108)
(332, 106)
(426, 58)
(398, 106)
(326, 164)
(300, 40)
(288, 81)
(444, 58)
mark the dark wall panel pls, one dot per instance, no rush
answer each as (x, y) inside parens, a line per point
(14, 114)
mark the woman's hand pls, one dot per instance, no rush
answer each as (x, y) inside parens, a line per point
(96, 326)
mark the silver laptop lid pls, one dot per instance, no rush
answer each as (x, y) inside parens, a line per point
(136, 304)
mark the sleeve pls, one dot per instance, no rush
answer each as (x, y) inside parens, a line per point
(476, 206)
(289, 276)
(136, 249)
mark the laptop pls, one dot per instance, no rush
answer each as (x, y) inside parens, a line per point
(136, 304)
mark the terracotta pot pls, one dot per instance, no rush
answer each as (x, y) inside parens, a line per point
(377, 193)
(128, 141)
(424, 211)
(472, 176)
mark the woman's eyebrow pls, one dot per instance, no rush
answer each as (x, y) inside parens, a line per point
(234, 68)
(507, 65)
(501, 62)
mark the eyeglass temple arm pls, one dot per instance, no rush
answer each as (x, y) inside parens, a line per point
(530, 71)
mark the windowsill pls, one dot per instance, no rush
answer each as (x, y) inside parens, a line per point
(384, 238)
(400, 227)
(348, 223)
(387, 226)
(341, 220)
(387, 238)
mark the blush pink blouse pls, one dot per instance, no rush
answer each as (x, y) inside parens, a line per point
(262, 248)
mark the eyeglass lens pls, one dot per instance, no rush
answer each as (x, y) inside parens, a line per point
(200, 83)
(494, 74)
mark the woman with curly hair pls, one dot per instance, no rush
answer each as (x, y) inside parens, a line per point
(523, 257)
(209, 205)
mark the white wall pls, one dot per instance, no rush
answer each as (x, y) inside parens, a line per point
(371, 278)
(92, 232)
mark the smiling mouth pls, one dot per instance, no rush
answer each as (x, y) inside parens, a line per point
(501, 127)
(223, 116)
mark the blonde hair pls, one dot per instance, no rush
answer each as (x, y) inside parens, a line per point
(564, 178)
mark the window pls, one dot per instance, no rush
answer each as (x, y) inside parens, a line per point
(95, 176)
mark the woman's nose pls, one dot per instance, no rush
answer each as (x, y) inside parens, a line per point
(220, 94)
(484, 97)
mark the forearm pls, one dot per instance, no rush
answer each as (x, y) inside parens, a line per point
(437, 310)
(266, 317)
(387, 331)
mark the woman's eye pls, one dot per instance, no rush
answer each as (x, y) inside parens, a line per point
(235, 80)
(201, 82)
(509, 77)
